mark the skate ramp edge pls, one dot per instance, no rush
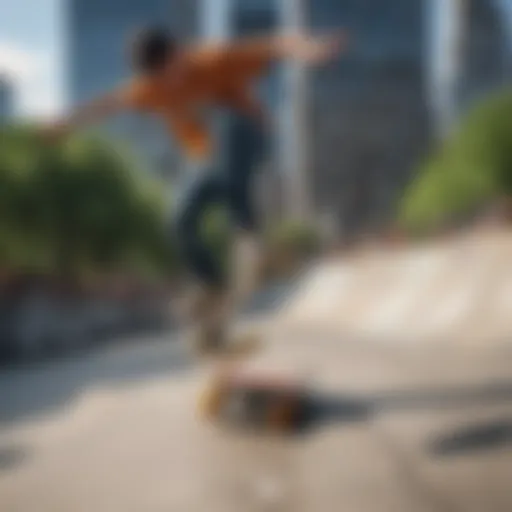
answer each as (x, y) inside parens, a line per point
(455, 289)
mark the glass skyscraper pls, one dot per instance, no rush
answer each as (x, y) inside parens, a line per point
(367, 116)
(486, 55)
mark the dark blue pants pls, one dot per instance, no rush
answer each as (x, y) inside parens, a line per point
(228, 183)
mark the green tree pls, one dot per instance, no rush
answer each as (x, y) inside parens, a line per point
(471, 170)
(76, 206)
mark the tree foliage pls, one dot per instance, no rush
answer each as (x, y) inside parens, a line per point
(471, 170)
(78, 206)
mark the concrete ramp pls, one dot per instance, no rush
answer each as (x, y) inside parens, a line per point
(458, 289)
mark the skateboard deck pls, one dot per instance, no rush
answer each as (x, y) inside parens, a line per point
(257, 401)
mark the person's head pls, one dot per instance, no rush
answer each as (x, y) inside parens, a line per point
(151, 49)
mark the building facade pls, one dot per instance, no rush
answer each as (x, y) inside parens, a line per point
(366, 122)
(485, 55)
(470, 56)
(367, 114)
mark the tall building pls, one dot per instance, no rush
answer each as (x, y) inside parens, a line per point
(470, 56)
(97, 61)
(365, 122)
(352, 132)
(446, 29)
(6, 98)
(485, 54)
(367, 118)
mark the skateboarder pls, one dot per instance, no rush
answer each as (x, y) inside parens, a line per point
(178, 83)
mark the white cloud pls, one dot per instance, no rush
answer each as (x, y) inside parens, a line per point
(33, 75)
(16, 62)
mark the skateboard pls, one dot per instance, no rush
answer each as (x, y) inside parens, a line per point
(234, 397)
(254, 401)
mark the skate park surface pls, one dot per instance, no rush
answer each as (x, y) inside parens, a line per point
(411, 345)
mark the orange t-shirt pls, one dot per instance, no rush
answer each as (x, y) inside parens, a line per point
(209, 76)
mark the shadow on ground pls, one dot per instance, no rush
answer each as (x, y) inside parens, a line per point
(324, 410)
(474, 438)
(11, 457)
(272, 298)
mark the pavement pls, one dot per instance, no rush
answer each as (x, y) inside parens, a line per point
(411, 427)
(117, 430)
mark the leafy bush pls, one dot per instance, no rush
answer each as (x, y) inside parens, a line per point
(76, 207)
(84, 207)
(473, 169)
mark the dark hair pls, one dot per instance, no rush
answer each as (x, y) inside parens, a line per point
(151, 48)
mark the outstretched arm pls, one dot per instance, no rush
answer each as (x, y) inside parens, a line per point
(98, 109)
(302, 47)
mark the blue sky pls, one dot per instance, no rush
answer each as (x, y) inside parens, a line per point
(30, 53)
(31, 44)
